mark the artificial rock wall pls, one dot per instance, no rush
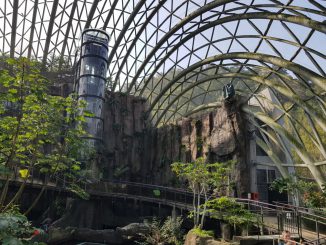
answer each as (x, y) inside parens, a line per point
(135, 151)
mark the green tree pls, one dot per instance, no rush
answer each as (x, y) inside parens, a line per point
(39, 133)
(205, 180)
(229, 210)
(16, 229)
(307, 191)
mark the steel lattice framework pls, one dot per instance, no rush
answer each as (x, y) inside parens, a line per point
(179, 54)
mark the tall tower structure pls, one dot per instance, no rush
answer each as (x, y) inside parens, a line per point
(90, 87)
(91, 79)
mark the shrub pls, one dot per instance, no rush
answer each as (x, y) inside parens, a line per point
(202, 233)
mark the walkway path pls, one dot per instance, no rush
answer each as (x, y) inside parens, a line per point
(275, 217)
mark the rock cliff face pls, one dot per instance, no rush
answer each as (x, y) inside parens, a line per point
(135, 151)
(124, 136)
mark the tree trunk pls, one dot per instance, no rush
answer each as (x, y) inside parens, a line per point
(36, 200)
(204, 211)
(226, 231)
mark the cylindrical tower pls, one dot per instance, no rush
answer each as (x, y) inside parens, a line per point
(91, 79)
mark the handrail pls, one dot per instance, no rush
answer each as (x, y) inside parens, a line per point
(259, 203)
(293, 241)
(319, 241)
(178, 196)
(303, 209)
(146, 185)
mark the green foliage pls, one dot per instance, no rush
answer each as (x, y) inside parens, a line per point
(204, 179)
(39, 133)
(119, 171)
(80, 192)
(229, 210)
(167, 232)
(308, 191)
(199, 143)
(302, 127)
(200, 174)
(292, 184)
(202, 233)
(15, 229)
(315, 199)
(59, 206)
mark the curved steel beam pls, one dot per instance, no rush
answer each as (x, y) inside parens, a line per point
(185, 103)
(31, 36)
(185, 40)
(315, 132)
(300, 150)
(106, 22)
(257, 79)
(318, 5)
(178, 26)
(183, 92)
(204, 107)
(139, 32)
(282, 77)
(49, 33)
(316, 142)
(285, 112)
(125, 28)
(247, 65)
(239, 37)
(272, 16)
(283, 7)
(91, 14)
(321, 81)
(71, 16)
(136, 38)
(278, 163)
(13, 28)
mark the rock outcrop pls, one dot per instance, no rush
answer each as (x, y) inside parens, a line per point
(118, 236)
(133, 229)
(134, 151)
(60, 235)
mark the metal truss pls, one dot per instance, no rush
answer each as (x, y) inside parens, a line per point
(180, 54)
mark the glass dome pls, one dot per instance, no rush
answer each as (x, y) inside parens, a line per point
(180, 54)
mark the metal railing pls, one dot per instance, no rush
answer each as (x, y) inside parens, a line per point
(320, 241)
(306, 223)
(159, 194)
